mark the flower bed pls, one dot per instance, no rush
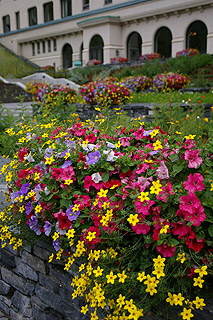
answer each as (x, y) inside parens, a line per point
(51, 94)
(105, 92)
(137, 83)
(187, 52)
(93, 62)
(133, 207)
(150, 56)
(170, 81)
(117, 60)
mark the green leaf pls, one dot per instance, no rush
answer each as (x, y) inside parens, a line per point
(177, 168)
(125, 169)
(105, 176)
(173, 157)
(65, 203)
(210, 231)
(174, 242)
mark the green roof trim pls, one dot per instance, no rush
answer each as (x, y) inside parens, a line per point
(98, 18)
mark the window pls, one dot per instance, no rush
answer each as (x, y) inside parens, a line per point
(17, 20)
(43, 46)
(48, 11)
(85, 4)
(66, 8)
(108, 1)
(54, 45)
(33, 49)
(49, 45)
(6, 23)
(38, 47)
(32, 15)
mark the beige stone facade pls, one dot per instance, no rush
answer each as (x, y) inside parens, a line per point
(65, 32)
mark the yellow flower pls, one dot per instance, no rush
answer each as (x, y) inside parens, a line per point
(49, 160)
(51, 257)
(84, 309)
(206, 119)
(68, 181)
(98, 272)
(141, 276)
(186, 314)
(164, 229)
(55, 236)
(121, 300)
(181, 257)
(170, 299)
(211, 187)
(70, 233)
(91, 235)
(102, 193)
(178, 299)
(159, 272)
(202, 271)
(191, 136)
(156, 187)
(154, 133)
(199, 303)
(122, 277)
(38, 208)
(157, 145)
(133, 219)
(111, 277)
(159, 261)
(198, 282)
(144, 196)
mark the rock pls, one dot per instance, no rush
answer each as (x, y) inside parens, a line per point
(22, 303)
(25, 270)
(33, 262)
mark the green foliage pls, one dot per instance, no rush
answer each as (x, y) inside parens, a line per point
(11, 66)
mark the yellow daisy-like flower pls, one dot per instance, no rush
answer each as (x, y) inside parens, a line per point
(156, 187)
(133, 219)
(122, 277)
(141, 276)
(111, 277)
(186, 314)
(199, 303)
(198, 282)
(144, 196)
(202, 271)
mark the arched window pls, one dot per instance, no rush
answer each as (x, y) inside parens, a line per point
(134, 43)
(96, 48)
(196, 37)
(67, 56)
(163, 42)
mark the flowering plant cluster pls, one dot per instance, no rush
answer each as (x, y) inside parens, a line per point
(170, 81)
(51, 68)
(51, 94)
(117, 60)
(102, 92)
(132, 206)
(137, 83)
(93, 62)
(150, 56)
(187, 52)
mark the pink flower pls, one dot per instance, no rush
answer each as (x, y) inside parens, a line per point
(162, 171)
(180, 229)
(165, 250)
(192, 157)
(125, 141)
(197, 217)
(189, 203)
(194, 182)
(141, 227)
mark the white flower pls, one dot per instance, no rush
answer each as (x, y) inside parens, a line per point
(89, 147)
(29, 158)
(110, 145)
(96, 177)
(111, 155)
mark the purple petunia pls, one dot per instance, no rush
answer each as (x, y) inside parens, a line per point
(56, 245)
(33, 224)
(66, 164)
(72, 216)
(28, 208)
(47, 228)
(93, 157)
(25, 187)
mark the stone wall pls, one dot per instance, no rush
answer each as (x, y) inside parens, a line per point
(33, 289)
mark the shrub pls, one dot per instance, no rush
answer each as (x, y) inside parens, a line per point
(133, 208)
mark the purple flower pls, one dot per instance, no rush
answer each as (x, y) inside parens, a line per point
(146, 133)
(33, 224)
(47, 228)
(93, 157)
(154, 152)
(37, 189)
(72, 216)
(63, 154)
(56, 244)
(162, 171)
(25, 187)
(70, 144)
(28, 208)
(14, 195)
(66, 164)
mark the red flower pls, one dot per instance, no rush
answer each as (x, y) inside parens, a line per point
(22, 153)
(192, 157)
(165, 250)
(189, 203)
(64, 222)
(194, 182)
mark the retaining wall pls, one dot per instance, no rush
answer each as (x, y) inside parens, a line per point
(33, 289)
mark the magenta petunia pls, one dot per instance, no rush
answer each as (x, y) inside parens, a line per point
(162, 171)
(165, 250)
(189, 203)
(194, 182)
(192, 157)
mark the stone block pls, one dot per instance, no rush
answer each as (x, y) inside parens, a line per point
(50, 283)
(25, 270)
(51, 299)
(4, 288)
(42, 314)
(5, 304)
(22, 303)
(14, 280)
(7, 258)
(34, 262)
(15, 315)
(60, 275)
(42, 253)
